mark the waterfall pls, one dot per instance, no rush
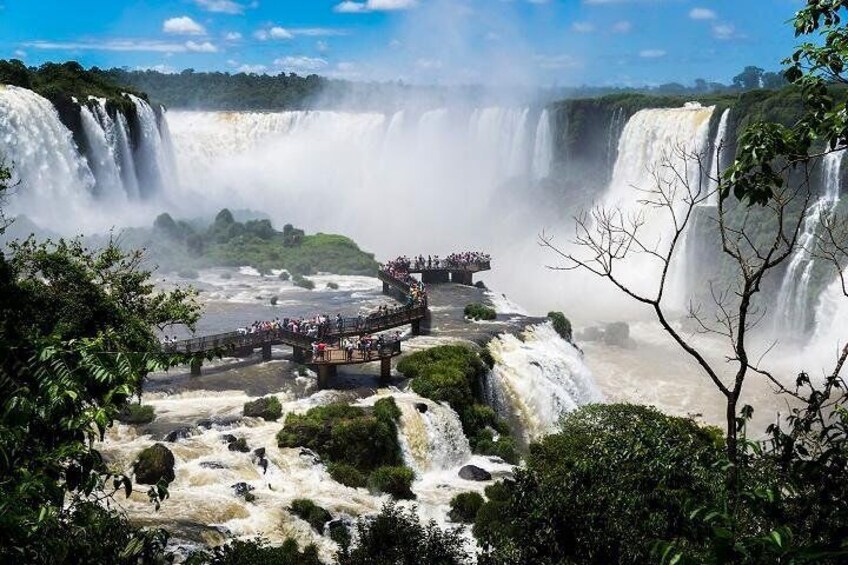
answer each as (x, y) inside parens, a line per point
(543, 150)
(150, 153)
(538, 380)
(715, 165)
(614, 135)
(45, 159)
(648, 137)
(791, 314)
(830, 332)
(118, 134)
(101, 154)
(431, 440)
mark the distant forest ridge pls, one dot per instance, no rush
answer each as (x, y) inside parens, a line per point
(240, 91)
(224, 91)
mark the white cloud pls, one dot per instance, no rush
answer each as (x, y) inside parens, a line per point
(220, 6)
(183, 25)
(352, 7)
(724, 31)
(275, 32)
(583, 27)
(428, 64)
(232, 36)
(702, 14)
(301, 63)
(20, 54)
(317, 31)
(622, 27)
(322, 46)
(252, 69)
(651, 53)
(204, 47)
(152, 46)
(160, 68)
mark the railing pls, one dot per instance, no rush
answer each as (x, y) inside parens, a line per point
(336, 356)
(445, 266)
(236, 340)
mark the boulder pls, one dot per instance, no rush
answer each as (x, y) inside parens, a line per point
(421, 407)
(239, 445)
(259, 452)
(268, 408)
(180, 433)
(212, 465)
(617, 333)
(310, 455)
(228, 438)
(474, 473)
(243, 490)
(154, 464)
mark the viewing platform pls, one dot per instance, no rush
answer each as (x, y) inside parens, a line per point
(332, 332)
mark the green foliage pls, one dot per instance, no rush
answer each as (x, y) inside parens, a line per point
(451, 373)
(307, 510)
(257, 552)
(480, 312)
(347, 475)
(562, 325)
(267, 408)
(396, 481)
(464, 507)
(303, 282)
(352, 441)
(136, 413)
(187, 246)
(397, 537)
(615, 479)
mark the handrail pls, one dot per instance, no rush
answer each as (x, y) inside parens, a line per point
(472, 267)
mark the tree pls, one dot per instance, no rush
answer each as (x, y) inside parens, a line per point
(749, 79)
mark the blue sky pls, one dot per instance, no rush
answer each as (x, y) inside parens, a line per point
(547, 42)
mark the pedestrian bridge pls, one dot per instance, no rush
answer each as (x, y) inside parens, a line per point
(413, 312)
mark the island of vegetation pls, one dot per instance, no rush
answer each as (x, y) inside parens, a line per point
(185, 246)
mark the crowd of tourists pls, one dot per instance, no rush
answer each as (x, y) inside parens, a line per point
(399, 269)
(452, 261)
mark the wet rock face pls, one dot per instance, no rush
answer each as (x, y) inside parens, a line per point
(243, 490)
(474, 473)
(239, 445)
(421, 407)
(268, 408)
(212, 465)
(178, 434)
(154, 464)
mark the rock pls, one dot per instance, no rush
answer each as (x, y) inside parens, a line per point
(474, 473)
(180, 433)
(243, 490)
(228, 438)
(617, 333)
(212, 465)
(421, 407)
(259, 452)
(268, 408)
(592, 333)
(274, 300)
(481, 285)
(154, 464)
(307, 453)
(239, 445)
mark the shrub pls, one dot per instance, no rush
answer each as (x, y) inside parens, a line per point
(310, 512)
(302, 282)
(562, 325)
(333, 286)
(464, 507)
(340, 534)
(347, 475)
(397, 536)
(396, 481)
(136, 414)
(612, 482)
(480, 312)
(484, 443)
(284, 276)
(386, 410)
(257, 552)
(267, 408)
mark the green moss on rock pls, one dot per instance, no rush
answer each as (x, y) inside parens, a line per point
(154, 464)
(267, 408)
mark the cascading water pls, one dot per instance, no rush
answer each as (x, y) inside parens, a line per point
(543, 150)
(151, 162)
(793, 301)
(718, 151)
(649, 138)
(117, 132)
(614, 135)
(431, 435)
(538, 380)
(101, 155)
(45, 159)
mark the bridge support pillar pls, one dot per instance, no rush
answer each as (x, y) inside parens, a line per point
(386, 289)
(416, 327)
(266, 352)
(325, 373)
(298, 355)
(385, 370)
(196, 363)
(430, 277)
(463, 277)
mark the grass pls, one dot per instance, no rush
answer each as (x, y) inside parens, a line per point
(480, 312)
